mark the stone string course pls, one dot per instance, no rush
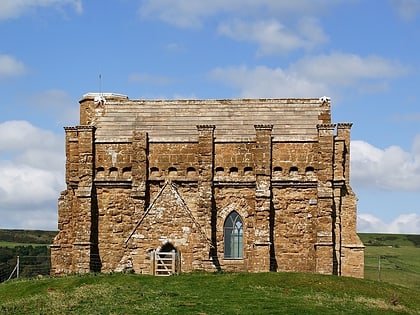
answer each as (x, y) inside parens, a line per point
(144, 175)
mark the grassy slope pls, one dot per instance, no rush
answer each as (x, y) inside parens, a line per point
(393, 258)
(197, 293)
(228, 293)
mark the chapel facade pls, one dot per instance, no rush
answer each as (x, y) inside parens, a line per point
(252, 185)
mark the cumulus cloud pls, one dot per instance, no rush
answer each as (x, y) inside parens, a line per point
(274, 37)
(19, 135)
(31, 175)
(345, 69)
(403, 224)
(267, 82)
(10, 66)
(16, 8)
(308, 77)
(23, 185)
(278, 27)
(186, 13)
(391, 168)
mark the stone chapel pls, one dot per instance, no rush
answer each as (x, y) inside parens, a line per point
(168, 186)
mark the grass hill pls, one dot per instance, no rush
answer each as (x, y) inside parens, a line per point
(206, 293)
(393, 258)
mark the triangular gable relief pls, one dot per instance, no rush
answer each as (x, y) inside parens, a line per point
(167, 206)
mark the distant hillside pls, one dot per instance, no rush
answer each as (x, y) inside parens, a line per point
(32, 246)
(393, 258)
(27, 236)
(369, 239)
(396, 240)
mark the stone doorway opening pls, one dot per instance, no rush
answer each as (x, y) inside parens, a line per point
(166, 260)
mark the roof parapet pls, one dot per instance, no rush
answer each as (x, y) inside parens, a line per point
(103, 96)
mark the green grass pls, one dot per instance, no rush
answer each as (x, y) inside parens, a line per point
(15, 244)
(206, 293)
(397, 292)
(392, 258)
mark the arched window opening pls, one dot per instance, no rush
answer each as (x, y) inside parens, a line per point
(309, 171)
(233, 171)
(233, 236)
(100, 172)
(220, 170)
(172, 171)
(154, 172)
(293, 170)
(248, 171)
(277, 170)
(191, 172)
(126, 172)
(113, 172)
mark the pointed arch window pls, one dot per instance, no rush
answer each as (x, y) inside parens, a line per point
(233, 236)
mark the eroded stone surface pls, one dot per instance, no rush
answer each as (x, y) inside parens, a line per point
(142, 175)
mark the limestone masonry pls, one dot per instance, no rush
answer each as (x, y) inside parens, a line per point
(168, 186)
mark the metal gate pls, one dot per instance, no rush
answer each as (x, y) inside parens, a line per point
(165, 263)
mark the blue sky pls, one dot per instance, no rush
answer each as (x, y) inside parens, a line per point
(362, 54)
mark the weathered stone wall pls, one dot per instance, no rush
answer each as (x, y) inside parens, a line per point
(128, 195)
(62, 249)
(295, 205)
(169, 221)
(294, 161)
(113, 161)
(234, 161)
(173, 160)
(294, 228)
(115, 221)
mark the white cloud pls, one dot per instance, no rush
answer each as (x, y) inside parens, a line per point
(274, 37)
(403, 224)
(19, 135)
(309, 77)
(10, 66)
(266, 82)
(31, 175)
(187, 13)
(391, 168)
(16, 8)
(345, 69)
(23, 185)
(42, 218)
(406, 9)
